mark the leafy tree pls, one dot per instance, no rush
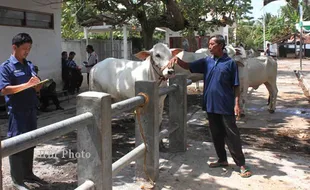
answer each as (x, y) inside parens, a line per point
(208, 15)
(174, 14)
(276, 26)
(69, 27)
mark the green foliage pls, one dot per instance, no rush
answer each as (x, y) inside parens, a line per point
(69, 27)
(277, 27)
(209, 15)
(223, 12)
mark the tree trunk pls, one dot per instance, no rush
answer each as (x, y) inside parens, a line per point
(193, 46)
(147, 35)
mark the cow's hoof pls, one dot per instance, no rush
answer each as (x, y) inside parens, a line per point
(271, 111)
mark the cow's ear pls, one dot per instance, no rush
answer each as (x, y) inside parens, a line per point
(175, 51)
(142, 55)
(239, 64)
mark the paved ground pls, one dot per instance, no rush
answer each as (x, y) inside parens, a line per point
(189, 170)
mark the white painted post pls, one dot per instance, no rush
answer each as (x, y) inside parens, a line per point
(150, 123)
(177, 114)
(112, 42)
(95, 140)
(125, 42)
(86, 34)
(167, 37)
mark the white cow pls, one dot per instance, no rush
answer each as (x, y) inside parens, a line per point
(263, 70)
(256, 71)
(117, 77)
(190, 57)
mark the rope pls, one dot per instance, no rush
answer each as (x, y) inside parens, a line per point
(161, 76)
(138, 112)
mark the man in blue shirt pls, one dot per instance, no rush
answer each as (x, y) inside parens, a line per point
(15, 74)
(75, 75)
(221, 101)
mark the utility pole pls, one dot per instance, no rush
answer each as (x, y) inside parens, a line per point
(301, 31)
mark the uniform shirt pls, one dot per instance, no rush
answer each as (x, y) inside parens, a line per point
(12, 72)
(92, 60)
(220, 76)
(71, 64)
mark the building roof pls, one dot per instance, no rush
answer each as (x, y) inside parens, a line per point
(290, 39)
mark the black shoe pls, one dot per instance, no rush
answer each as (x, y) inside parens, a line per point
(59, 108)
(20, 186)
(34, 178)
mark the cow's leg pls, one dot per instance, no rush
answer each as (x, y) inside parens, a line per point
(162, 147)
(273, 92)
(197, 86)
(275, 95)
(243, 96)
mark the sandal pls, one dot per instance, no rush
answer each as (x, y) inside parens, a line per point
(218, 164)
(245, 172)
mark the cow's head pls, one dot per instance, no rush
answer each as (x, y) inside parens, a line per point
(238, 54)
(159, 56)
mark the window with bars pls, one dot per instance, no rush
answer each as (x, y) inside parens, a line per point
(25, 18)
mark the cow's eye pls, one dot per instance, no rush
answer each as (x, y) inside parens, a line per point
(157, 55)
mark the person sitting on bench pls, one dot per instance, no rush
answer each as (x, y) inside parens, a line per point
(47, 93)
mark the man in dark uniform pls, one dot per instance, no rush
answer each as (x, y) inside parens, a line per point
(17, 73)
(221, 101)
(75, 75)
(64, 70)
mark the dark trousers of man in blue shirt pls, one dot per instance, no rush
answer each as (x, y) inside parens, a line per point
(224, 129)
(21, 163)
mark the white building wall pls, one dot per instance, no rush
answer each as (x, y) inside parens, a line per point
(46, 48)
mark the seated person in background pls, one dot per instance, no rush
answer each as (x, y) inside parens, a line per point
(47, 93)
(75, 75)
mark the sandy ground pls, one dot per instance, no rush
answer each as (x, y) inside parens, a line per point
(275, 146)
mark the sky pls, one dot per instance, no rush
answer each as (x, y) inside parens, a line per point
(273, 8)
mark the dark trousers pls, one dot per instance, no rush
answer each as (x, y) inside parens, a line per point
(87, 78)
(66, 84)
(223, 130)
(75, 81)
(46, 98)
(21, 165)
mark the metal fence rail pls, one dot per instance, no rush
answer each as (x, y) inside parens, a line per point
(27, 140)
(94, 133)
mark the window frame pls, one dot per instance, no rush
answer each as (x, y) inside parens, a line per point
(24, 20)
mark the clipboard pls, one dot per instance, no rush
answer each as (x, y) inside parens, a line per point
(22, 89)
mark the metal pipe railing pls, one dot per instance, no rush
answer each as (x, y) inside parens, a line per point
(165, 133)
(126, 105)
(168, 89)
(118, 165)
(30, 139)
(87, 185)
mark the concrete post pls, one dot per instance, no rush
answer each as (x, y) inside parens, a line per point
(125, 43)
(177, 114)
(95, 140)
(150, 123)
